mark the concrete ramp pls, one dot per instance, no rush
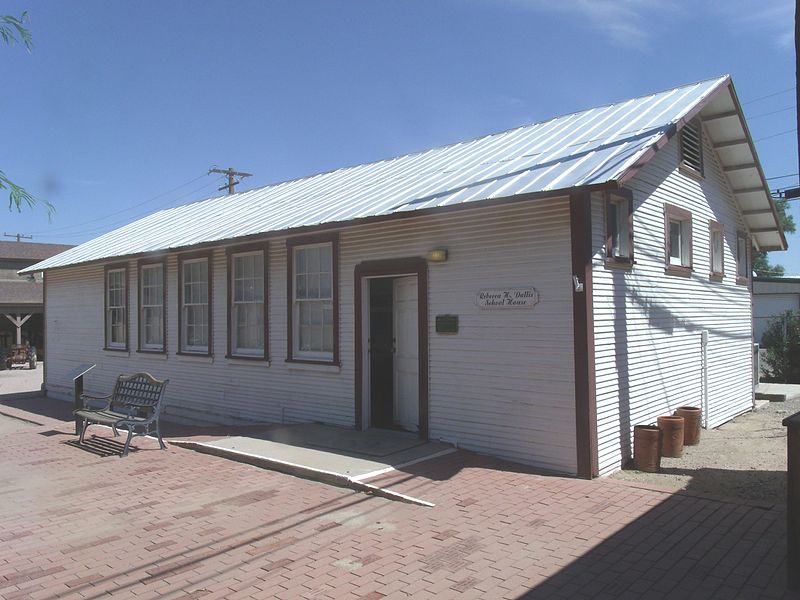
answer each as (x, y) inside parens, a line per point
(326, 453)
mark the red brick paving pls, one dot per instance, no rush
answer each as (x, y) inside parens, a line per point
(183, 525)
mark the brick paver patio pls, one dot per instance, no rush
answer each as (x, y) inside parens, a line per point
(176, 524)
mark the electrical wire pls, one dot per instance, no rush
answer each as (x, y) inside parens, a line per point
(124, 210)
(774, 112)
(109, 226)
(778, 93)
(774, 135)
(783, 176)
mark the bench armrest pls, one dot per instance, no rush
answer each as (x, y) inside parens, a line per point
(105, 400)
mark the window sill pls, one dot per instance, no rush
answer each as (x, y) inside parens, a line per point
(116, 352)
(742, 280)
(195, 358)
(153, 354)
(690, 172)
(247, 360)
(616, 262)
(716, 276)
(678, 270)
(297, 364)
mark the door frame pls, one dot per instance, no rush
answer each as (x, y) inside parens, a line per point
(393, 267)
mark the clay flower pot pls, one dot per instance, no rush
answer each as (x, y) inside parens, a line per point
(647, 448)
(671, 436)
(691, 424)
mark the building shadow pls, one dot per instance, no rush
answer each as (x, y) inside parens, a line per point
(685, 547)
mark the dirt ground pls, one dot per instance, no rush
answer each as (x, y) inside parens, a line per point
(744, 458)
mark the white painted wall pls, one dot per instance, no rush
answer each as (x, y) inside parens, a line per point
(503, 385)
(648, 324)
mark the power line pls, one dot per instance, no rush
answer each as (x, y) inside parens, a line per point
(110, 226)
(776, 135)
(778, 93)
(783, 176)
(124, 210)
(774, 112)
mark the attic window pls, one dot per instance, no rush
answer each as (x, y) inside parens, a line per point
(692, 148)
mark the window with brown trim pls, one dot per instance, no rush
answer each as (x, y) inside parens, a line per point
(716, 249)
(742, 258)
(152, 303)
(678, 239)
(247, 302)
(691, 139)
(313, 298)
(116, 307)
(194, 304)
(619, 227)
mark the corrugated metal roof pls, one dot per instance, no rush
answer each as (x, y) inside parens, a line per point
(588, 147)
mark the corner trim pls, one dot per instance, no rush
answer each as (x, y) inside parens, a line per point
(580, 219)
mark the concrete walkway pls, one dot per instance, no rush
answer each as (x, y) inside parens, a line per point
(777, 392)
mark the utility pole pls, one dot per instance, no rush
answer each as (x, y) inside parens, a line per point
(19, 236)
(231, 174)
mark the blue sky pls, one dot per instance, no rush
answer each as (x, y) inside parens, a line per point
(122, 107)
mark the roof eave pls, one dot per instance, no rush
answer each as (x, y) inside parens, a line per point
(647, 154)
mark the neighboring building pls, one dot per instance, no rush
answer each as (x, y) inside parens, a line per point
(21, 302)
(773, 297)
(531, 294)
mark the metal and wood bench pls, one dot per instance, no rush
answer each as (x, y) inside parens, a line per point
(134, 404)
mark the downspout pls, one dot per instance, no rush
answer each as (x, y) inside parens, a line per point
(704, 352)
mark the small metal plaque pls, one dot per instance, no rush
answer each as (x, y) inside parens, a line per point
(80, 370)
(446, 323)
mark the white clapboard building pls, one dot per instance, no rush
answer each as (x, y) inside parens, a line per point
(532, 294)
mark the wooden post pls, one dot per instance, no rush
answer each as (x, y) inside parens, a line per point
(77, 379)
(792, 425)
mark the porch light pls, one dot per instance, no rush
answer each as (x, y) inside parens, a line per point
(437, 255)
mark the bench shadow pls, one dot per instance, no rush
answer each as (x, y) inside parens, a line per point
(100, 446)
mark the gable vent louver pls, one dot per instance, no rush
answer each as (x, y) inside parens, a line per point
(692, 146)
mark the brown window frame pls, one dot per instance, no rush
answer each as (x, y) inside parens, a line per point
(183, 258)
(609, 198)
(713, 227)
(676, 213)
(140, 266)
(126, 307)
(231, 253)
(743, 280)
(686, 167)
(291, 244)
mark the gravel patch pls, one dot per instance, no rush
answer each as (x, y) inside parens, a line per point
(744, 458)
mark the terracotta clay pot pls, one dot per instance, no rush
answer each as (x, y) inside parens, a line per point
(647, 448)
(671, 436)
(691, 424)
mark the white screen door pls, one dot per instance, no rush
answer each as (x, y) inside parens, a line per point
(406, 358)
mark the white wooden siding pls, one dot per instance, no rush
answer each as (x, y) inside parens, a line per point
(648, 324)
(503, 385)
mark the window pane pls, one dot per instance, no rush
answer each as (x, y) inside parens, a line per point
(325, 259)
(675, 239)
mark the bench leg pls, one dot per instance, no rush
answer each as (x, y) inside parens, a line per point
(83, 430)
(160, 441)
(127, 442)
(114, 429)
